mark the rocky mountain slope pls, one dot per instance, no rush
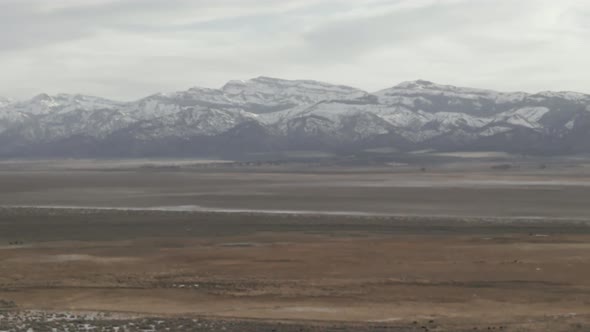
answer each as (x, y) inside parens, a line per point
(269, 115)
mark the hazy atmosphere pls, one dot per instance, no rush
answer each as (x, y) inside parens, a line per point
(127, 49)
(294, 165)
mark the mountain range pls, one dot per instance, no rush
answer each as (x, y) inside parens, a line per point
(264, 115)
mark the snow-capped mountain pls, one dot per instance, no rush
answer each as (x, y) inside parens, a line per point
(266, 114)
(264, 94)
(44, 104)
(4, 101)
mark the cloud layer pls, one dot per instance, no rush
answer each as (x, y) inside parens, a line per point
(126, 49)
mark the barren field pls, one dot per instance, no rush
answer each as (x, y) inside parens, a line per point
(465, 190)
(294, 249)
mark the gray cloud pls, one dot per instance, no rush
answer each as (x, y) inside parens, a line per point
(129, 48)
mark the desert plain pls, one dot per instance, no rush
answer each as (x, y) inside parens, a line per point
(190, 246)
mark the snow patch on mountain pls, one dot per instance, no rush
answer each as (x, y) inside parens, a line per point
(275, 92)
(4, 101)
(191, 122)
(565, 95)
(491, 131)
(430, 89)
(44, 104)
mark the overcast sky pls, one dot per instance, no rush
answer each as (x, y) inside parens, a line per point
(126, 49)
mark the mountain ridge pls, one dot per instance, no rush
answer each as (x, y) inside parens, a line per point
(267, 114)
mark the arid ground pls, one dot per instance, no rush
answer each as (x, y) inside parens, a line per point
(457, 247)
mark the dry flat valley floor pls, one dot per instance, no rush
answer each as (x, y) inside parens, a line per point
(458, 247)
